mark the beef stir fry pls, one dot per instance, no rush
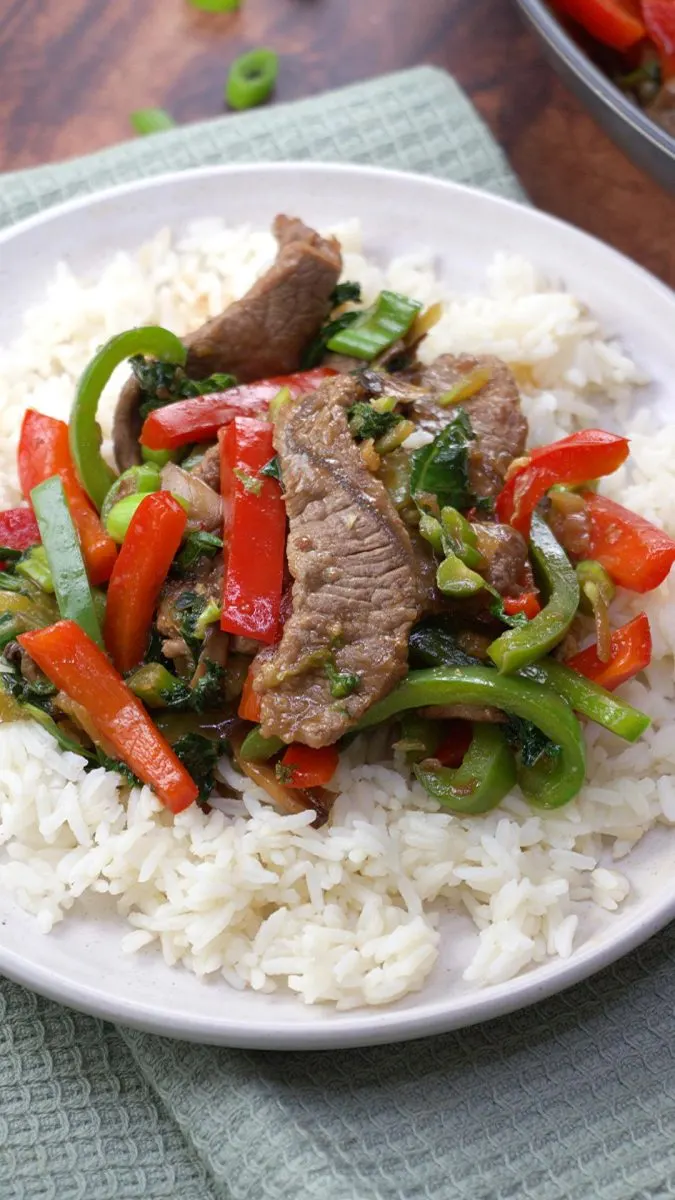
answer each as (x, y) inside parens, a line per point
(312, 532)
(634, 41)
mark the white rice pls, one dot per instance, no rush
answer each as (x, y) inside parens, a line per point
(348, 914)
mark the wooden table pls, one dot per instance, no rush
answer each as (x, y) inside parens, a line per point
(72, 70)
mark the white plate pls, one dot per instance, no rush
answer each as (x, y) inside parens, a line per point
(80, 964)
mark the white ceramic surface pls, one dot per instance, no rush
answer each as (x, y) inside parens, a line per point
(80, 964)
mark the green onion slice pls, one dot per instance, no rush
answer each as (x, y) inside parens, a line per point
(151, 120)
(251, 79)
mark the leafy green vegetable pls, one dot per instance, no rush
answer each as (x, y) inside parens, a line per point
(344, 292)
(484, 504)
(314, 353)
(7, 555)
(196, 546)
(197, 612)
(163, 383)
(37, 692)
(440, 470)
(349, 290)
(272, 469)
(199, 756)
(342, 683)
(528, 741)
(366, 422)
(121, 768)
(433, 643)
(208, 690)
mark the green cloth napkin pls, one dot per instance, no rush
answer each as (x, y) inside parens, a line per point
(574, 1099)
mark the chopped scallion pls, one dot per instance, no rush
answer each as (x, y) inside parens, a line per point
(151, 120)
(377, 328)
(251, 79)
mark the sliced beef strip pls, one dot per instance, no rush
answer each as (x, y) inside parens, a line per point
(355, 591)
(505, 552)
(262, 334)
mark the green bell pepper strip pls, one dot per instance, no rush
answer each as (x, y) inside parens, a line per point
(376, 328)
(591, 700)
(485, 777)
(483, 685)
(256, 748)
(84, 431)
(64, 556)
(519, 647)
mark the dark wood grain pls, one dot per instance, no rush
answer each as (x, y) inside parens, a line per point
(72, 70)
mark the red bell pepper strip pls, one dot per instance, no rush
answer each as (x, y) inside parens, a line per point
(630, 652)
(659, 19)
(200, 418)
(527, 603)
(305, 767)
(18, 529)
(255, 532)
(571, 461)
(613, 22)
(147, 552)
(44, 451)
(637, 554)
(77, 667)
(250, 701)
(458, 738)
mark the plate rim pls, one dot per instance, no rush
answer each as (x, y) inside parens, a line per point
(374, 1025)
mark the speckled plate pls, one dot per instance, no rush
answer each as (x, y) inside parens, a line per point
(81, 964)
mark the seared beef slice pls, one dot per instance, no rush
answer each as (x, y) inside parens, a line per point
(494, 411)
(262, 334)
(355, 587)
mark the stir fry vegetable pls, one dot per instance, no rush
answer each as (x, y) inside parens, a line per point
(610, 21)
(630, 651)
(591, 700)
(548, 785)
(255, 530)
(376, 328)
(572, 460)
(304, 767)
(77, 666)
(202, 417)
(44, 451)
(151, 120)
(520, 646)
(637, 554)
(486, 775)
(252, 79)
(84, 431)
(152, 540)
(249, 704)
(66, 565)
